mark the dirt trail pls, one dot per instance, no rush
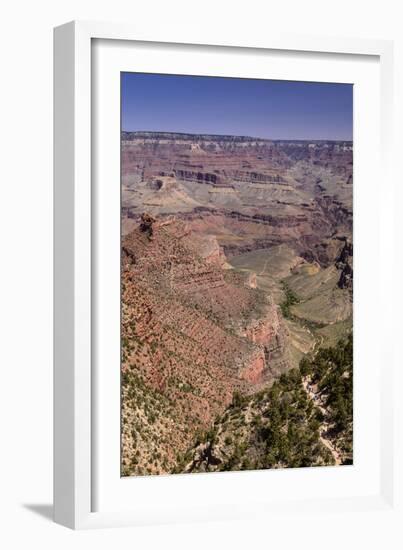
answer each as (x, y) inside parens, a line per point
(264, 267)
(317, 401)
(317, 344)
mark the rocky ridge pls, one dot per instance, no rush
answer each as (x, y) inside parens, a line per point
(192, 334)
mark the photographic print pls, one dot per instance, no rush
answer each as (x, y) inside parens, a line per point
(236, 274)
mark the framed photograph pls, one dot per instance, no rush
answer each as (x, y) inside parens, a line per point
(222, 209)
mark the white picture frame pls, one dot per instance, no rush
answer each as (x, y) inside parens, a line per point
(76, 469)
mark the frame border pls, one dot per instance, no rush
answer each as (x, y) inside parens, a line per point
(72, 258)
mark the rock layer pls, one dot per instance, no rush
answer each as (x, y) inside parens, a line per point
(192, 334)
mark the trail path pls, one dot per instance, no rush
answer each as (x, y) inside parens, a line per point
(264, 267)
(318, 402)
(317, 343)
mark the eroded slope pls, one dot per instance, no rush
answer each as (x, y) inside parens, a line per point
(192, 334)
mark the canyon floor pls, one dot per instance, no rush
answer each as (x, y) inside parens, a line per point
(237, 280)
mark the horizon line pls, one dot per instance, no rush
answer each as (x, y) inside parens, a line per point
(232, 135)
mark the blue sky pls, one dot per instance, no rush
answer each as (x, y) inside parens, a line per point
(274, 109)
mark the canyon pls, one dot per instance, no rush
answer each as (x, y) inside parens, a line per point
(237, 262)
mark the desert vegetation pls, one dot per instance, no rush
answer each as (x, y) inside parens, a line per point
(304, 419)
